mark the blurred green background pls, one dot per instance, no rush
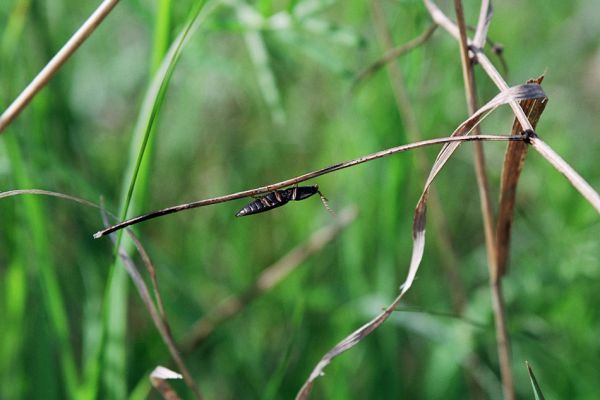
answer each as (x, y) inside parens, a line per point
(262, 92)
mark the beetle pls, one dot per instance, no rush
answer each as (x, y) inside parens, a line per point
(278, 198)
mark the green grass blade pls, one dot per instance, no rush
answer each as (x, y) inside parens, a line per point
(162, 28)
(36, 229)
(12, 318)
(537, 391)
(259, 55)
(136, 177)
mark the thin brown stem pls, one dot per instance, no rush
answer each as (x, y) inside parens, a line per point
(160, 321)
(56, 63)
(302, 178)
(393, 53)
(409, 120)
(502, 339)
(268, 279)
(442, 20)
(486, 207)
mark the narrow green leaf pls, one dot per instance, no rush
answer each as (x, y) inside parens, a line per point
(115, 302)
(534, 384)
(38, 244)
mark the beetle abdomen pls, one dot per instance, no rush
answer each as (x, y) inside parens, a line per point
(277, 198)
(272, 200)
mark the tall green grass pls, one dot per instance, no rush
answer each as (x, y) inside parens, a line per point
(70, 328)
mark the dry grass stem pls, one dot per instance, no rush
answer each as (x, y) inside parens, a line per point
(564, 168)
(160, 321)
(307, 176)
(158, 315)
(484, 193)
(56, 63)
(159, 378)
(392, 54)
(441, 19)
(413, 131)
(511, 171)
(267, 280)
(516, 93)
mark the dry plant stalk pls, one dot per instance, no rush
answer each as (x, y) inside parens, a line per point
(579, 183)
(160, 321)
(393, 54)
(518, 91)
(511, 171)
(157, 314)
(502, 338)
(507, 95)
(159, 378)
(268, 279)
(413, 132)
(54, 65)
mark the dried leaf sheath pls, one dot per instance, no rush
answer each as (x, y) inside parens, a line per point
(513, 164)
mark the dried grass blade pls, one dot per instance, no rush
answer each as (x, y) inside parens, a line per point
(42, 192)
(268, 279)
(299, 179)
(160, 322)
(521, 92)
(441, 19)
(516, 93)
(511, 171)
(485, 18)
(159, 378)
(144, 255)
(392, 55)
(561, 165)
(57, 61)
(346, 344)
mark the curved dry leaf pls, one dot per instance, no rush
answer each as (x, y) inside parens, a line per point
(511, 171)
(158, 317)
(485, 18)
(516, 93)
(268, 279)
(42, 192)
(159, 377)
(564, 168)
(160, 322)
(441, 19)
(298, 179)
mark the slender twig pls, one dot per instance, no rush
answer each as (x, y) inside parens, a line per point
(564, 168)
(301, 178)
(482, 181)
(56, 63)
(413, 131)
(485, 16)
(419, 224)
(441, 19)
(268, 279)
(449, 260)
(392, 54)
(514, 160)
(160, 322)
(158, 316)
(486, 207)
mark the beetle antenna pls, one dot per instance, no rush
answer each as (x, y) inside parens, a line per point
(326, 204)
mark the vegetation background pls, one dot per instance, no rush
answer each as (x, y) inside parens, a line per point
(249, 105)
